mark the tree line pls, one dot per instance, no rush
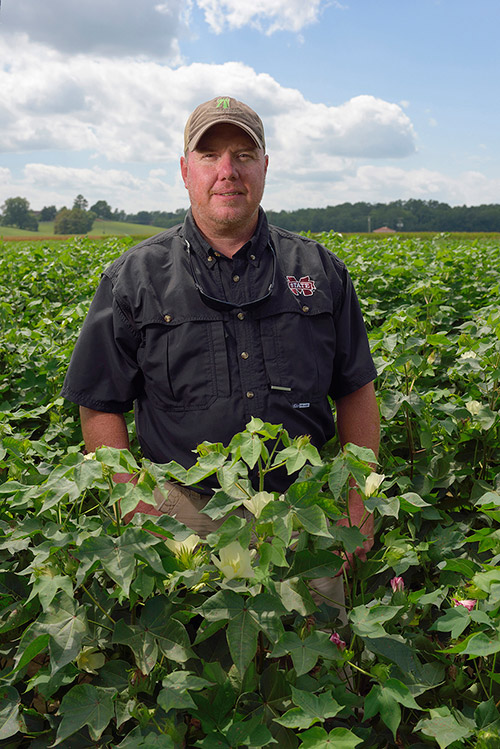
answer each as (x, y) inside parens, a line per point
(400, 215)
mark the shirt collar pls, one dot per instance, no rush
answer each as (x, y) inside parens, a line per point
(251, 251)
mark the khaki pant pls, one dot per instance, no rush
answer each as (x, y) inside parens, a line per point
(185, 505)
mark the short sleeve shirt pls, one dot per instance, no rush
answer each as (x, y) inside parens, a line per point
(197, 371)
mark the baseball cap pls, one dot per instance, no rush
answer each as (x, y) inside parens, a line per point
(222, 109)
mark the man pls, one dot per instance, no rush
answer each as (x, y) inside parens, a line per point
(220, 319)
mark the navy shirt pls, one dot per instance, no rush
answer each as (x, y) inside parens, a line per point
(196, 371)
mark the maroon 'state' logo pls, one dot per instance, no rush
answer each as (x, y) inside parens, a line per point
(304, 285)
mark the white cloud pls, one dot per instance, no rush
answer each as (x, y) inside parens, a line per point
(44, 184)
(105, 27)
(127, 110)
(383, 184)
(265, 15)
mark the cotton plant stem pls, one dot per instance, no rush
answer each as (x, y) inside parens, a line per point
(96, 602)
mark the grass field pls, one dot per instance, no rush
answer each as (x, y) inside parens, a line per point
(100, 228)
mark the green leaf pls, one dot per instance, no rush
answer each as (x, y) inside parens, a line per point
(46, 587)
(29, 647)
(486, 714)
(305, 653)
(338, 476)
(411, 499)
(65, 624)
(338, 738)
(249, 733)
(242, 632)
(485, 580)
(118, 556)
(156, 631)
(310, 709)
(349, 537)
(313, 520)
(10, 719)
(466, 567)
(295, 596)
(444, 727)
(118, 460)
(226, 604)
(314, 564)
(482, 645)
(221, 504)
(247, 446)
(380, 700)
(454, 620)
(85, 705)
(395, 651)
(400, 692)
(366, 621)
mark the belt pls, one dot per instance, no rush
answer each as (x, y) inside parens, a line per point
(175, 492)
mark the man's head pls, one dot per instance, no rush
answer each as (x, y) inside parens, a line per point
(222, 109)
(224, 168)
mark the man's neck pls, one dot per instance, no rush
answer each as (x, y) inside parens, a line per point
(227, 241)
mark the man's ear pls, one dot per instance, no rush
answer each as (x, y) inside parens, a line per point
(184, 170)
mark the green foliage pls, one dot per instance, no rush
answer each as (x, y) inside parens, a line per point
(74, 221)
(16, 212)
(138, 635)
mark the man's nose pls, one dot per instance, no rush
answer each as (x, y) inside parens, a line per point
(228, 167)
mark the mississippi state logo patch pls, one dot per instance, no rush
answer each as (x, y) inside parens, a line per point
(305, 285)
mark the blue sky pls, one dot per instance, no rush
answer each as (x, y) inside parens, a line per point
(362, 100)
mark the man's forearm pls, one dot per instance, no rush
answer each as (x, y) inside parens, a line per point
(358, 418)
(105, 429)
(100, 428)
(358, 422)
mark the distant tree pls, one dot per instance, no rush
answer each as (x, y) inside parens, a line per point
(119, 215)
(75, 221)
(16, 212)
(48, 213)
(143, 217)
(80, 203)
(102, 209)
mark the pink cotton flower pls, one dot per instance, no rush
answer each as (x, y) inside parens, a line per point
(467, 603)
(397, 584)
(335, 638)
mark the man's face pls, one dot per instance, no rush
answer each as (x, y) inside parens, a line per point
(225, 178)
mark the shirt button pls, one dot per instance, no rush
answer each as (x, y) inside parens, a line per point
(210, 258)
(305, 308)
(241, 315)
(244, 355)
(236, 279)
(252, 257)
(167, 318)
(250, 394)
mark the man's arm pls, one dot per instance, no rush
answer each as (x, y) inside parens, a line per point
(358, 422)
(100, 428)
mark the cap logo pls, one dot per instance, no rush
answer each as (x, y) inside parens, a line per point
(304, 285)
(222, 103)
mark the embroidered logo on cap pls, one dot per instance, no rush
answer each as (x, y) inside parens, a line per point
(304, 285)
(223, 102)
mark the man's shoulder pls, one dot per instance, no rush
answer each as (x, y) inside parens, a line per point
(145, 253)
(288, 240)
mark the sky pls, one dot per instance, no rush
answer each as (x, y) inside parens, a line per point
(362, 100)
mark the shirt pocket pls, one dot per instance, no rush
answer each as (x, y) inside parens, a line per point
(184, 365)
(299, 351)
